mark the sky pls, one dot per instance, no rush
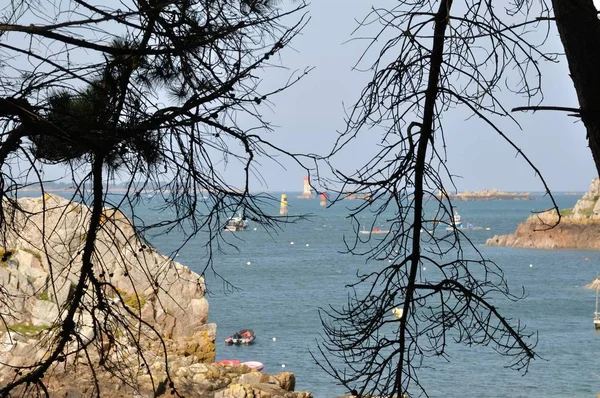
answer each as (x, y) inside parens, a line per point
(309, 114)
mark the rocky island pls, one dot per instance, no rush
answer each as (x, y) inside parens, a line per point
(487, 194)
(172, 347)
(579, 228)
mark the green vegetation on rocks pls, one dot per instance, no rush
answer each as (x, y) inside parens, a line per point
(566, 212)
(27, 328)
(132, 300)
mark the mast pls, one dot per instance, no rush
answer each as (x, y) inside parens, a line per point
(596, 313)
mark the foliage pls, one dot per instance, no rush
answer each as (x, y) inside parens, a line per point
(85, 119)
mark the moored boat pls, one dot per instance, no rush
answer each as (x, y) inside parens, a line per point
(254, 365)
(236, 223)
(229, 362)
(375, 231)
(455, 222)
(244, 336)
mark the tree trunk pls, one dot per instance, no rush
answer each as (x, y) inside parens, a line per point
(579, 29)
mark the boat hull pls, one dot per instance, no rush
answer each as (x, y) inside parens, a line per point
(243, 337)
(236, 224)
(229, 362)
(254, 365)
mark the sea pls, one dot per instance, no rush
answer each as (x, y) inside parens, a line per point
(276, 281)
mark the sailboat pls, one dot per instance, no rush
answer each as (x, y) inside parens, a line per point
(596, 318)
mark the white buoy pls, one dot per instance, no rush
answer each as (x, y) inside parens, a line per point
(389, 261)
(254, 229)
(424, 268)
(249, 263)
(274, 338)
(283, 365)
(177, 255)
(398, 312)
(307, 245)
(530, 265)
(291, 243)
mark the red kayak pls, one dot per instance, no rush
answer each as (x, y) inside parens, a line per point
(228, 362)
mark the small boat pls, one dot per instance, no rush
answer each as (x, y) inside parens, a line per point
(374, 231)
(596, 318)
(244, 336)
(455, 222)
(254, 365)
(229, 362)
(236, 223)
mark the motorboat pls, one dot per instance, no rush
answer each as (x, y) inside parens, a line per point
(244, 336)
(455, 222)
(374, 231)
(236, 223)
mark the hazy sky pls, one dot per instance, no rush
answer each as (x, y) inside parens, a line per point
(310, 113)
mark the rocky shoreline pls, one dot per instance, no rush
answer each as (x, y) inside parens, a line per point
(579, 228)
(154, 340)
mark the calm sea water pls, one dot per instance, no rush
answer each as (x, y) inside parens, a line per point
(280, 287)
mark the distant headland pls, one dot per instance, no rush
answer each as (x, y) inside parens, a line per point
(487, 194)
(579, 227)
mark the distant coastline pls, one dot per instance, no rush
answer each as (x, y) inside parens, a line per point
(486, 194)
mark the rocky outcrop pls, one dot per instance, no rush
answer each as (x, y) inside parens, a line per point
(579, 228)
(154, 331)
(487, 194)
(188, 380)
(40, 263)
